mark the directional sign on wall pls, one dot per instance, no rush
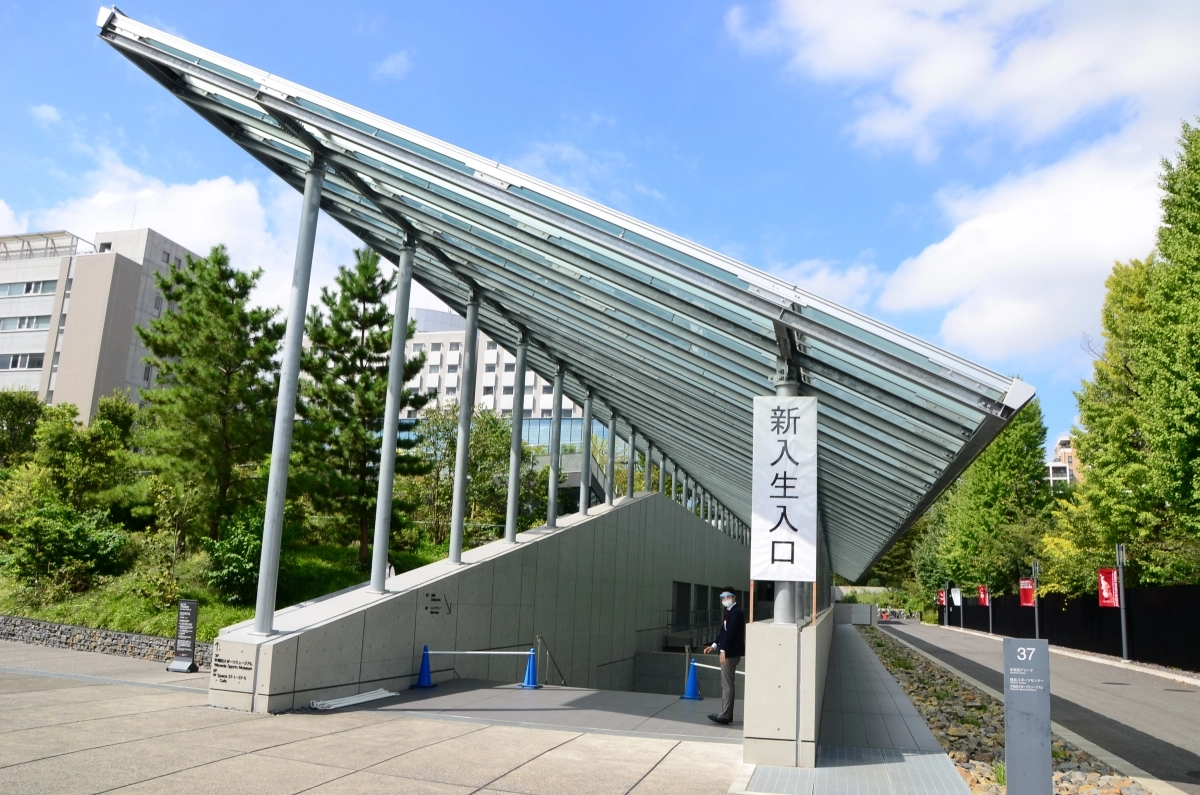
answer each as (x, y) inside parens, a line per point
(784, 524)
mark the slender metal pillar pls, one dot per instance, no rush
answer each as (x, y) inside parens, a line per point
(516, 448)
(632, 462)
(785, 590)
(285, 408)
(585, 467)
(611, 467)
(391, 421)
(647, 485)
(1121, 603)
(555, 450)
(674, 482)
(662, 470)
(466, 409)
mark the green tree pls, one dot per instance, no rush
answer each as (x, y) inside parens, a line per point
(213, 410)
(20, 410)
(343, 401)
(87, 466)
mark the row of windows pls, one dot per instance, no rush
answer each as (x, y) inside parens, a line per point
(547, 414)
(22, 361)
(28, 288)
(23, 323)
(434, 347)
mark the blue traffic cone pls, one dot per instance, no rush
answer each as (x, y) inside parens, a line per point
(424, 678)
(691, 690)
(531, 682)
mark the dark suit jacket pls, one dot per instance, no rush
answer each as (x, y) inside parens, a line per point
(732, 637)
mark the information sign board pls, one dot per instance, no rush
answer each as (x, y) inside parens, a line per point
(783, 536)
(956, 595)
(185, 638)
(1027, 761)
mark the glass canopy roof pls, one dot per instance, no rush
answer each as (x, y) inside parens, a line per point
(672, 337)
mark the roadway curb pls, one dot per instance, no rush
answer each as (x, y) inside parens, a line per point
(1154, 785)
(1096, 658)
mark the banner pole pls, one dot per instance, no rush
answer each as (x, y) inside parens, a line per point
(1121, 596)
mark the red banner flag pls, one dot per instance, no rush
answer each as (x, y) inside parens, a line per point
(1107, 587)
(1027, 592)
(984, 596)
(941, 597)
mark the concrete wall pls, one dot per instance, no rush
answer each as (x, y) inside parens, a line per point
(815, 642)
(666, 673)
(597, 590)
(849, 613)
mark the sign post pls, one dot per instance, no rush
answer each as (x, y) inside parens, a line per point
(985, 599)
(1037, 629)
(185, 638)
(1121, 599)
(1027, 760)
(946, 616)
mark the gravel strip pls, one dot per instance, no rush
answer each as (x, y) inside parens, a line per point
(969, 724)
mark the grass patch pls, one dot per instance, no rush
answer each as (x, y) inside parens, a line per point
(1001, 774)
(971, 721)
(902, 663)
(941, 695)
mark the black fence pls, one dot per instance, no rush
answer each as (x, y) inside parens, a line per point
(1163, 623)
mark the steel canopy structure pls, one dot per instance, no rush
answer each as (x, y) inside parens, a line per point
(672, 338)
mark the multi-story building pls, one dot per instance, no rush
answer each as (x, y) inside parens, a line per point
(441, 335)
(68, 310)
(1064, 468)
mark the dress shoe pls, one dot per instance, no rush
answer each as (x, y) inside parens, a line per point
(720, 720)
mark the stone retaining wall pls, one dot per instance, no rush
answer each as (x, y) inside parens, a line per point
(105, 641)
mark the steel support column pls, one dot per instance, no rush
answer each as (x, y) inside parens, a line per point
(516, 447)
(632, 462)
(285, 407)
(555, 450)
(391, 420)
(662, 471)
(585, 467)
(611, 466)
(466, 408)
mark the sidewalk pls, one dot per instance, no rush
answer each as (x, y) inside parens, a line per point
(1139, 716)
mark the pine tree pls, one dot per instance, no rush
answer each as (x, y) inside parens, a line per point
(343, 399)
(212, 413)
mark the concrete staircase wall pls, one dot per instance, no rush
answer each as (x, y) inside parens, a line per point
(597, 589)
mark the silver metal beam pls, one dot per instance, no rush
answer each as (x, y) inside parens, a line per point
(466, 408)
(516, 447)
(611, 464)
(555, 449)
(585, 468)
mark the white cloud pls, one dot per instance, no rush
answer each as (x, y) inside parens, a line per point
(1020, 276)
(393, 67)
(853, 286)
(45, 114)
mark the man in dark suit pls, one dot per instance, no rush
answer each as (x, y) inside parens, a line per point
(731, 643)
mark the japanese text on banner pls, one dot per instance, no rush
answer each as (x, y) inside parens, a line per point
(784, 527)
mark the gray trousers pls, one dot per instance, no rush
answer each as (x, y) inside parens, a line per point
(728, 680)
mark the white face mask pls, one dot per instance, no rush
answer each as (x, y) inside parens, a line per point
(728, 603)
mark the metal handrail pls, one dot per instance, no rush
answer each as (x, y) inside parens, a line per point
(546, 677)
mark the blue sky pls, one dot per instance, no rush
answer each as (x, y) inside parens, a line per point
(967, 171)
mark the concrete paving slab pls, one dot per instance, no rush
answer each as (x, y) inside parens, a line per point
(77, 696)
(479, 757)
(100, 769)
(48, 659)
(48, 741)
(367, 783)
(262, 775)
(592, 764)
(365, 746)
(64, 714)
(693, 768)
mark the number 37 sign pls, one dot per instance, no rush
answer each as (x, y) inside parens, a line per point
(784, 528)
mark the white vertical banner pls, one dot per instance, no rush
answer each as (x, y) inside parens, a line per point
(783, 544)
(956, 596)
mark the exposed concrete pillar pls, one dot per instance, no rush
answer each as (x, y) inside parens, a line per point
(516, 447)
(611, 467)
(466, 410)
(585, 468)
(391, 420)
(555, 450)
(285, 407)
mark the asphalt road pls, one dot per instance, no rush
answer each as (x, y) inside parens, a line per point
(1150, 721)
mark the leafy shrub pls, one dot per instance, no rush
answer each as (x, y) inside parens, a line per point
(56, 550)
(235, 557)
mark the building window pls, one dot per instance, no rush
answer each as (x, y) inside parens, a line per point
(412, 414)
(418, 347)
(166, 256)
(22, 361)
(510, 367)
(434, 369)
(28, 288)
(528, 413)
(67, 289)
(435, 346)
(62, 322)
(27, 323)
(529, 389)
(547, 413)
(506, 413)
(489, 390)
(548, 389)
(431, 391)
(158, 303)
(104, 247)
(451, 391)
(489, 368)
(452, 368)
(491, 345)
(147, 373)
(454, 346)
(508, 390)
(178, 262)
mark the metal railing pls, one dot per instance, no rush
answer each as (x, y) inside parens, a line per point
(691, 627)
